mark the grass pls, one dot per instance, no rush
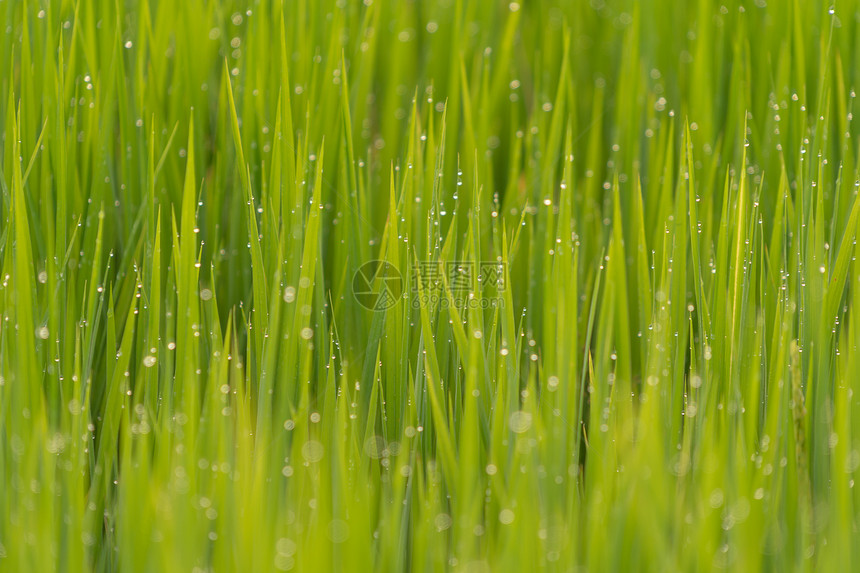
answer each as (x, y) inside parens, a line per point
(660, 375)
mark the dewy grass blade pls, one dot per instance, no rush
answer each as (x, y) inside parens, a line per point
(395, 286)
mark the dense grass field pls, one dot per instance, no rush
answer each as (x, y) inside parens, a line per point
(429, 285)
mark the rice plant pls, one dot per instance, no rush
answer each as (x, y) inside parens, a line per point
(436, 285)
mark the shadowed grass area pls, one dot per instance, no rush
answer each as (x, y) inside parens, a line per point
(429, 285)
